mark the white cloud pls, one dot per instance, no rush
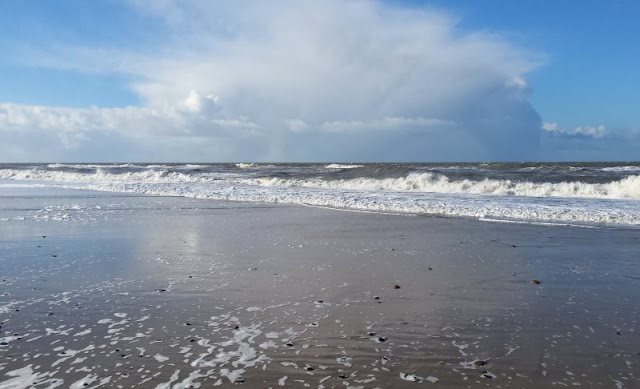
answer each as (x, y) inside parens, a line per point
(590, 131)
(288, 79)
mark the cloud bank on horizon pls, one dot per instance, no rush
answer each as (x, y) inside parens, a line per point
(296, 81)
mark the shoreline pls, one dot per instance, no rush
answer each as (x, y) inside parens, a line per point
(168, 290)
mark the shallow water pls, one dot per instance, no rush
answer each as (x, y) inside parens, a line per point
(134, 291)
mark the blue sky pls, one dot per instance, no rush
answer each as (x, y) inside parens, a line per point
(334, 80)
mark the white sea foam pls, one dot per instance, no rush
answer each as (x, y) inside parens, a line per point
(621, 169)
(626, 188)
(341, 166)
(576, 203)
(91, 166)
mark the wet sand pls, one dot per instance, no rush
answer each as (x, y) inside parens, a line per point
(105, 290)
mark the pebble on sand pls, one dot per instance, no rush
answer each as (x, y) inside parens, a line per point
(535, 282)
(396, 286)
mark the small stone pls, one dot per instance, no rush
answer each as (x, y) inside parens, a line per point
(309, 368)
(289, 344)
(187, 324)
(618, 333)
(236, 327)
(535, 282)
(371, 334)
(480, 363)
(239, 380)
(376, 297)
(382, 339)
(396, 286)
(162, 290)
(343, 376)
(430, 268)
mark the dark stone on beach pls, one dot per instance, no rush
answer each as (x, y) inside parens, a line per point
(50, 314)
(343, 376)
(239, 380)
(371, 334)
(3, 343)
(376, 297)
(396, 286)
(535, 282)
(382, 339)
(430, 268)
(187, 324)
(192, 340)
(513, 245)
(289, 344)
(190, 276)
(236, 327)
(319, 301)
(309, 368)
(162, 290)
(44, 236)
(54, 255)
(479, 363)
(618, 333)
(487, 376)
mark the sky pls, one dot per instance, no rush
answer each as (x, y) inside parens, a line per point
(306, 80)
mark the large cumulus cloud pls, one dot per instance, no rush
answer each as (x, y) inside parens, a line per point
(294, 80)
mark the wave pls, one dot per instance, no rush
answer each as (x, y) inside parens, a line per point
(102, 176)
(626, 188)
(414, 193)
(243, 165)
(341, 166)
(91, 166)
(621, 169)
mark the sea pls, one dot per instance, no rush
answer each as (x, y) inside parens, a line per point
(603, 194)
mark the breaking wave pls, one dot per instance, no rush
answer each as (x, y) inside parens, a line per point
(625, 189)
(419, 192)
(341, 166)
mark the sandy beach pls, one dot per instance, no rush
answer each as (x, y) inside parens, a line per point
(115, 290)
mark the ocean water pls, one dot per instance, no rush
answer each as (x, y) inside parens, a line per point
(583, 194)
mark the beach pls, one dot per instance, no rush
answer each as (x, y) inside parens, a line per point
(127, 290)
